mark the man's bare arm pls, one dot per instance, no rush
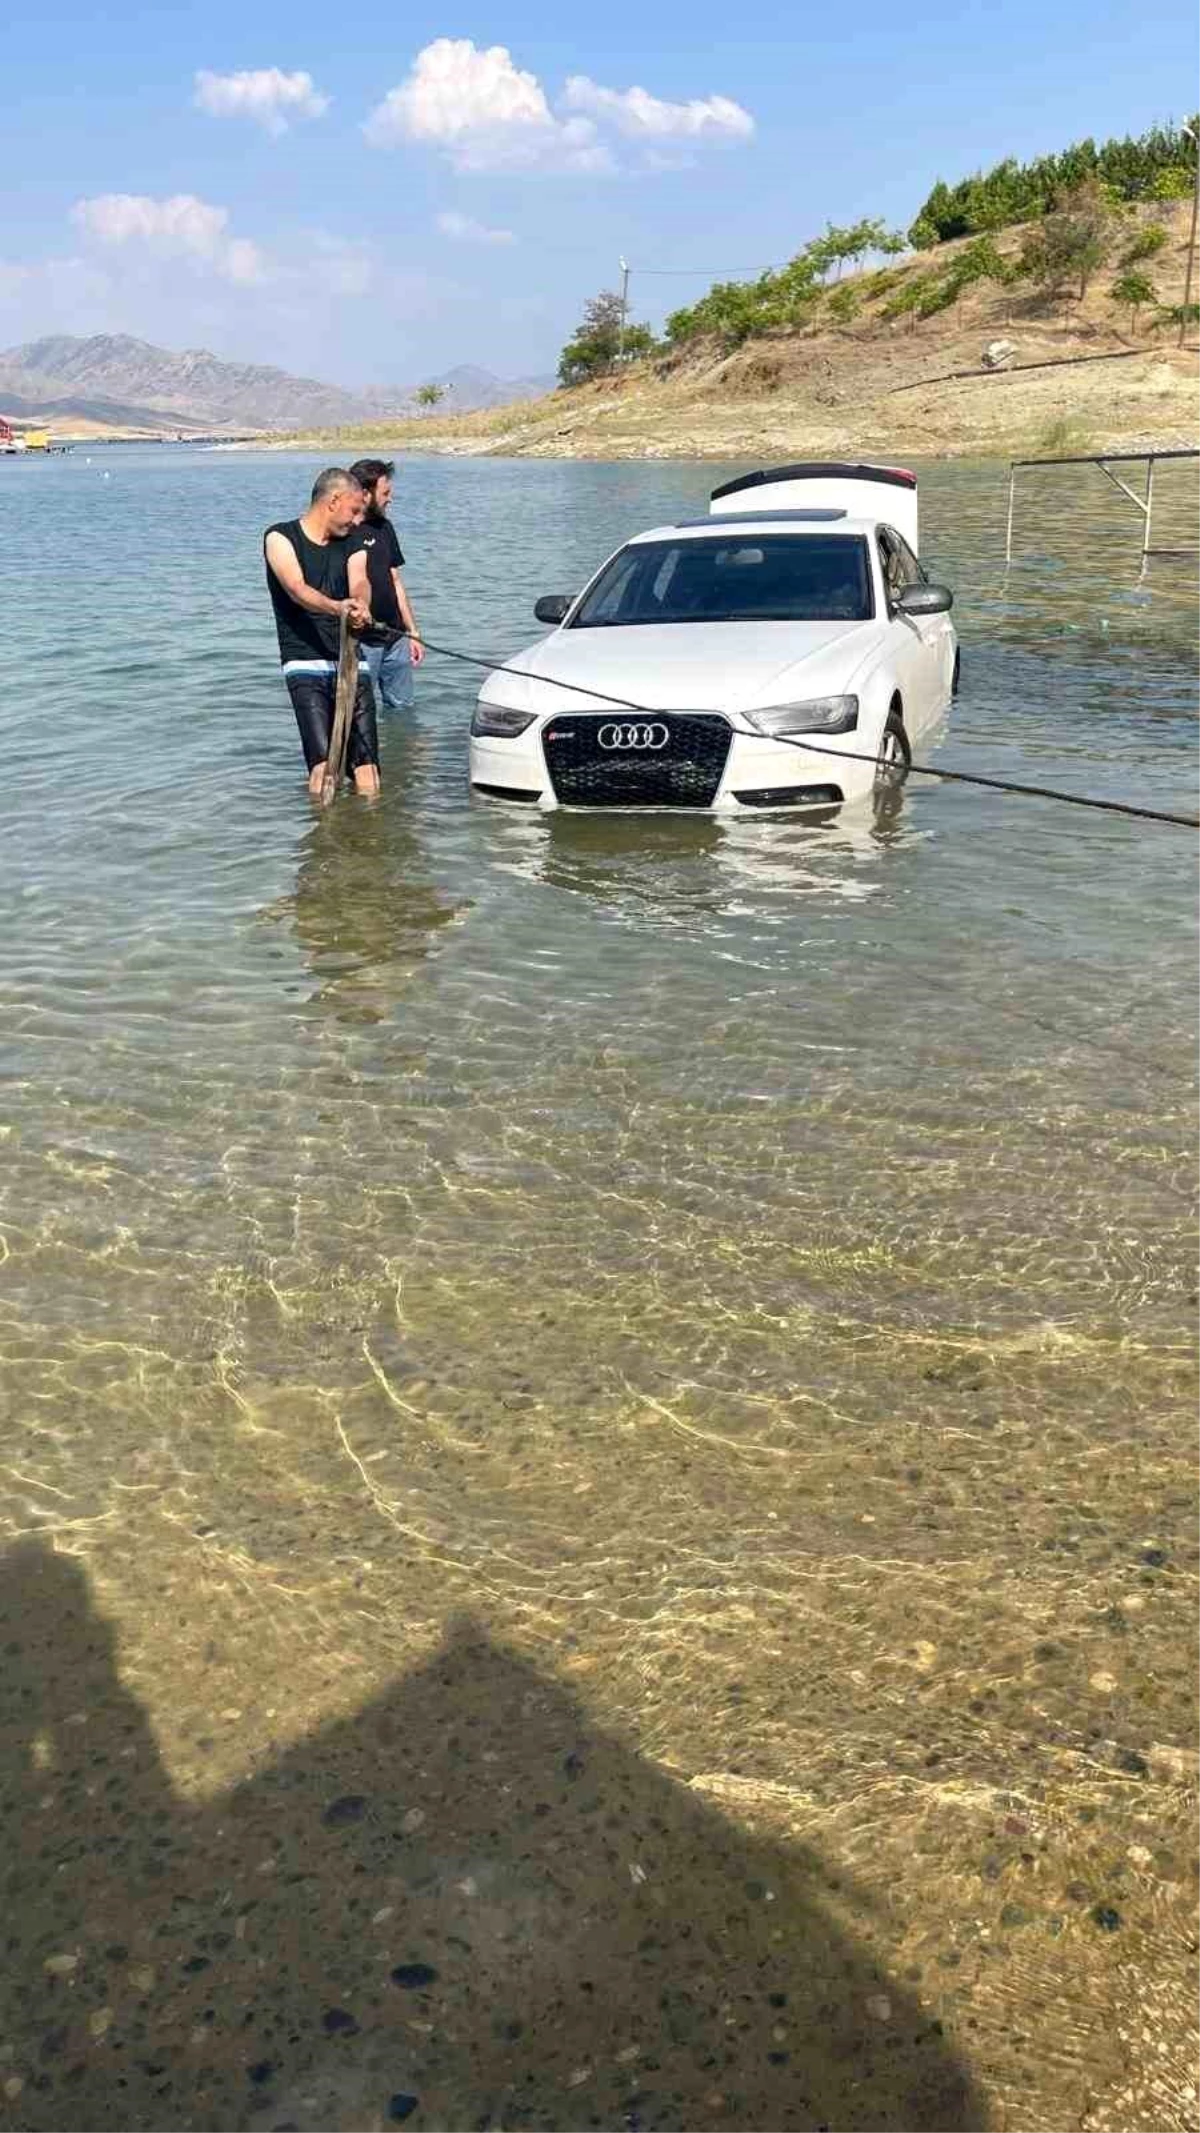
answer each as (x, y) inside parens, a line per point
(284, 564)
(358, 580)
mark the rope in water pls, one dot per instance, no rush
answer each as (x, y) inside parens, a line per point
(787, 740)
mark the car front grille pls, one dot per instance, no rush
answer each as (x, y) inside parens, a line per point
(672, 759)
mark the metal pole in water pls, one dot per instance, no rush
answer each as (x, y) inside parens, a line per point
(1149, 506)
(1012, 484)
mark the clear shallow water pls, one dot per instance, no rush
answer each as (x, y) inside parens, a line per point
(714, 1303)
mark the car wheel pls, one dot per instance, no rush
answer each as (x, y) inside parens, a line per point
(895, 755)
(956, 679)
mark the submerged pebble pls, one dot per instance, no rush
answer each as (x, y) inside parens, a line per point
(350, 1808)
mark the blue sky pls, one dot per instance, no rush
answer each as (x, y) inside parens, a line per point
(372, 197)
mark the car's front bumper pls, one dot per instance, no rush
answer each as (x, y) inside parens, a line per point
(559, 762)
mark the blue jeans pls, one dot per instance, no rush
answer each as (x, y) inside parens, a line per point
(391, 674)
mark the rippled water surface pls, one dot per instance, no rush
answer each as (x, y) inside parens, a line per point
(599, 1414)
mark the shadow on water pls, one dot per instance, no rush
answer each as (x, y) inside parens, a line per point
(465, 1906)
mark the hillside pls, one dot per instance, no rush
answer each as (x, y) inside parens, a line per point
(877, 383)
(115, 381)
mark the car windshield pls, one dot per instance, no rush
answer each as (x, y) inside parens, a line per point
(748, 577)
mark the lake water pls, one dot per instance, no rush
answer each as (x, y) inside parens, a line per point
(599, 1413)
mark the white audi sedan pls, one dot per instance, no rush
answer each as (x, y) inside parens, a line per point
(784, 652)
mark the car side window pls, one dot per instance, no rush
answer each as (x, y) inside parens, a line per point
(914, 571)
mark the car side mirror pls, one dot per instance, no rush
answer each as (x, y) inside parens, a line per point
(553, 606)
(924, 600)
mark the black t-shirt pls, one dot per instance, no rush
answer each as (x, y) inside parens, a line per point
(376, 538)
(303, 635)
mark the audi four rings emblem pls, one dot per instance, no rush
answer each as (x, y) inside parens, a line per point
(614, 736)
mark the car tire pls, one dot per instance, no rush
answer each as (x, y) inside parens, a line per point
(895, 755)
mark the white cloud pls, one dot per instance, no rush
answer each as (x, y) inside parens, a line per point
(181, 227)
(265, 94)
(484, 113)
(183, 222)
(463, 229)
(644, 117)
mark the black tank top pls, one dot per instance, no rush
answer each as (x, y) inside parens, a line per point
(303, 635)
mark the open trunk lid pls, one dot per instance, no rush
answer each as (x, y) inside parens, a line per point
(861, 491)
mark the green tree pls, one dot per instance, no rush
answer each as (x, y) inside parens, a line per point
(1159, 164)
(734, 311)
(938, 220)
(598, 340)
(980, 261)
(924, 233)
(1173, 183)
(909, 300)
(431, 396)
(1070, 245)
(843, 305)
(841, 246)
(1135, 290)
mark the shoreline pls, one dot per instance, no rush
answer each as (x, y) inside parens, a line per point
(864, 401)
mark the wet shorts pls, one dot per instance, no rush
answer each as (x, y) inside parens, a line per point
(312, 701)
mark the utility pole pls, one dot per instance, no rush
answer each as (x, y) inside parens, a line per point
(624, 266)
(1191, 251)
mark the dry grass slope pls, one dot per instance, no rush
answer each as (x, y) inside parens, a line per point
(877, 383)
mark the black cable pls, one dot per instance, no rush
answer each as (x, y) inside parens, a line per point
(1004, 1009)
(787, 740)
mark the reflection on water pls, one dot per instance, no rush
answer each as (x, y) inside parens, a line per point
(660, 868)
(363, 913)
(746, 1270)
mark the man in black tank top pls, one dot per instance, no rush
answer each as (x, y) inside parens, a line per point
(306, 578)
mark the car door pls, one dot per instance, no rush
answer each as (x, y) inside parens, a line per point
(935, 631)
(908, 655)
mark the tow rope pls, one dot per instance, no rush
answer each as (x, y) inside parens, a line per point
(788, 740)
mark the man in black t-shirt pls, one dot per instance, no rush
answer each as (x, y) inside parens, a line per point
(306, 578)
(374, 564)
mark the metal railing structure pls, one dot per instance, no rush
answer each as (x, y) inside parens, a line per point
(1106, 461)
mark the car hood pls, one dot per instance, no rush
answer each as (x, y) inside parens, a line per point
(688, 666)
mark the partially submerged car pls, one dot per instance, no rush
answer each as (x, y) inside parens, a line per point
(784, 652)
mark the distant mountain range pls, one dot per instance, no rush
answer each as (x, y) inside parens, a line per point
(467, 388)
(129, 384)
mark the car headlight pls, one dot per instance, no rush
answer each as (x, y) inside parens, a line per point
(821, 714)
(499, 720)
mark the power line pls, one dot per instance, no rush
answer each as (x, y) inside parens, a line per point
(703, 273)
